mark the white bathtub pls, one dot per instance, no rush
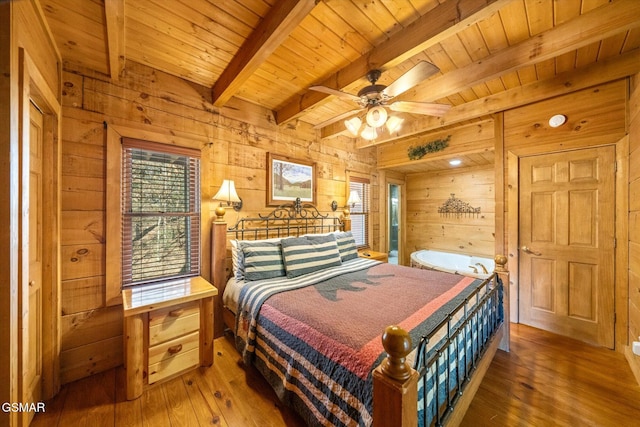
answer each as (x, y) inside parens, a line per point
(453, 263)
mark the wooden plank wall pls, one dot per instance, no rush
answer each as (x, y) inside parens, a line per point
(634, 223)
(468, 234)
(234, 142)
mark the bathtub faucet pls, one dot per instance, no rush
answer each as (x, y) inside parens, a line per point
(475, 270)
(484, 269)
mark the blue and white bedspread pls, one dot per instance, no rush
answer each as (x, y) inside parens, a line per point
(317, 338)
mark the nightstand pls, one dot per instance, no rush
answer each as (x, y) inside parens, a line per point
(168, 329)
(367, 253)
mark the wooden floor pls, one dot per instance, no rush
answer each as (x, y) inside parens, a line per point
(546, 380)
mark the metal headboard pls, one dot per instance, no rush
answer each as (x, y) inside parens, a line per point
(293, 219)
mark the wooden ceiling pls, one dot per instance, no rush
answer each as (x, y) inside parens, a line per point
(269, 52)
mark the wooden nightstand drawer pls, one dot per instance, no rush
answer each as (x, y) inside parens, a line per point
(173, 365)
(173, 348)
(172, 322)
(174, 356)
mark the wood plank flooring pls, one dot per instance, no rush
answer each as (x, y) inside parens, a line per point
(546, 380)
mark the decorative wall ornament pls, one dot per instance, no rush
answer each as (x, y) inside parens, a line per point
(454, 206)
(418, 151)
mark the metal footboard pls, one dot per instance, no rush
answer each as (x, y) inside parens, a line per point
(446, 359)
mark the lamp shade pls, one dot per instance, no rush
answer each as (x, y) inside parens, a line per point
(354, 198)
(394, 123)
(227, 192)
(353, 125)
(369, 133)
(376, 116)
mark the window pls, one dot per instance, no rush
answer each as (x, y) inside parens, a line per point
(360, 212)
(160, 212)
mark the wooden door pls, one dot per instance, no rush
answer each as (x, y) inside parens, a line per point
(567, 243)
(31, 310)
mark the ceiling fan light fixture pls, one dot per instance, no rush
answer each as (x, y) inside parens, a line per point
(394, 123)
(376, 116)
(353, 125)
(369, 133)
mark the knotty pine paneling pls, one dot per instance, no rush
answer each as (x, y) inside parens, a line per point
(466, 139)
(90, 359)
(595, 116)
(83, 227)
(234, 142)
(468, 234)
(81, 295)
(36, 42)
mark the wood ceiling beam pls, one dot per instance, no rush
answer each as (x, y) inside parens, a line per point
(570, 81)
(591, 27)
(274, 28)
(436, 25)
(114, 13)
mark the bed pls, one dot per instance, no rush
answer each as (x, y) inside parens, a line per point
(311, 316)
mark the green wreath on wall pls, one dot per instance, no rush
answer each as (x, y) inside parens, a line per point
(418, 151)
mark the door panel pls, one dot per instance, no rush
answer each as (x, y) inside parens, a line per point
(31, 310)
(567, 243)
(542, 295)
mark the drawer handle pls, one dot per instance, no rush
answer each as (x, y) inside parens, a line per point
(175, 349)
(176, 313)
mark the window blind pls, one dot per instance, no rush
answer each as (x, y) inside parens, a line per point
(160, 212)
(360, 212)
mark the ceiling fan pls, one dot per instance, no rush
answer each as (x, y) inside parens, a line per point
(375, 97)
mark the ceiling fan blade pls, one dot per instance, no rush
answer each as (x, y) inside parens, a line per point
(337, 118)
(335, 92)
(421, 71)
(428, 108)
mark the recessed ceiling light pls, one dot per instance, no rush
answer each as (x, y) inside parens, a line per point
(455, 162)
(557, 120)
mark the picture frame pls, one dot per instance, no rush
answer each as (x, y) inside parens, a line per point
(289, 179)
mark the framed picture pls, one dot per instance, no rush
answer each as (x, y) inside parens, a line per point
(289, 179)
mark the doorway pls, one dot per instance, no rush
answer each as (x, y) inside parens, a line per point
(38, 288)
(566, 243)
(30, 303)
(393, 222)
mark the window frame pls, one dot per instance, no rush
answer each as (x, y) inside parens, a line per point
(364, 206)
(191, 214)
(112, 211)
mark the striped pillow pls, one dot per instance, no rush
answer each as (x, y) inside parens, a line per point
(303, 255)
(346, 246)
(237, 260)
(262, 260)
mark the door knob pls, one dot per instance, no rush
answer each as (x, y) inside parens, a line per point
(529, 251)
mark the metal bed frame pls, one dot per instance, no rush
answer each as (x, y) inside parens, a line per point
(462, 323)
(292, 219)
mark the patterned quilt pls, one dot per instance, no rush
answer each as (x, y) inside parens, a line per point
(317, 338)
